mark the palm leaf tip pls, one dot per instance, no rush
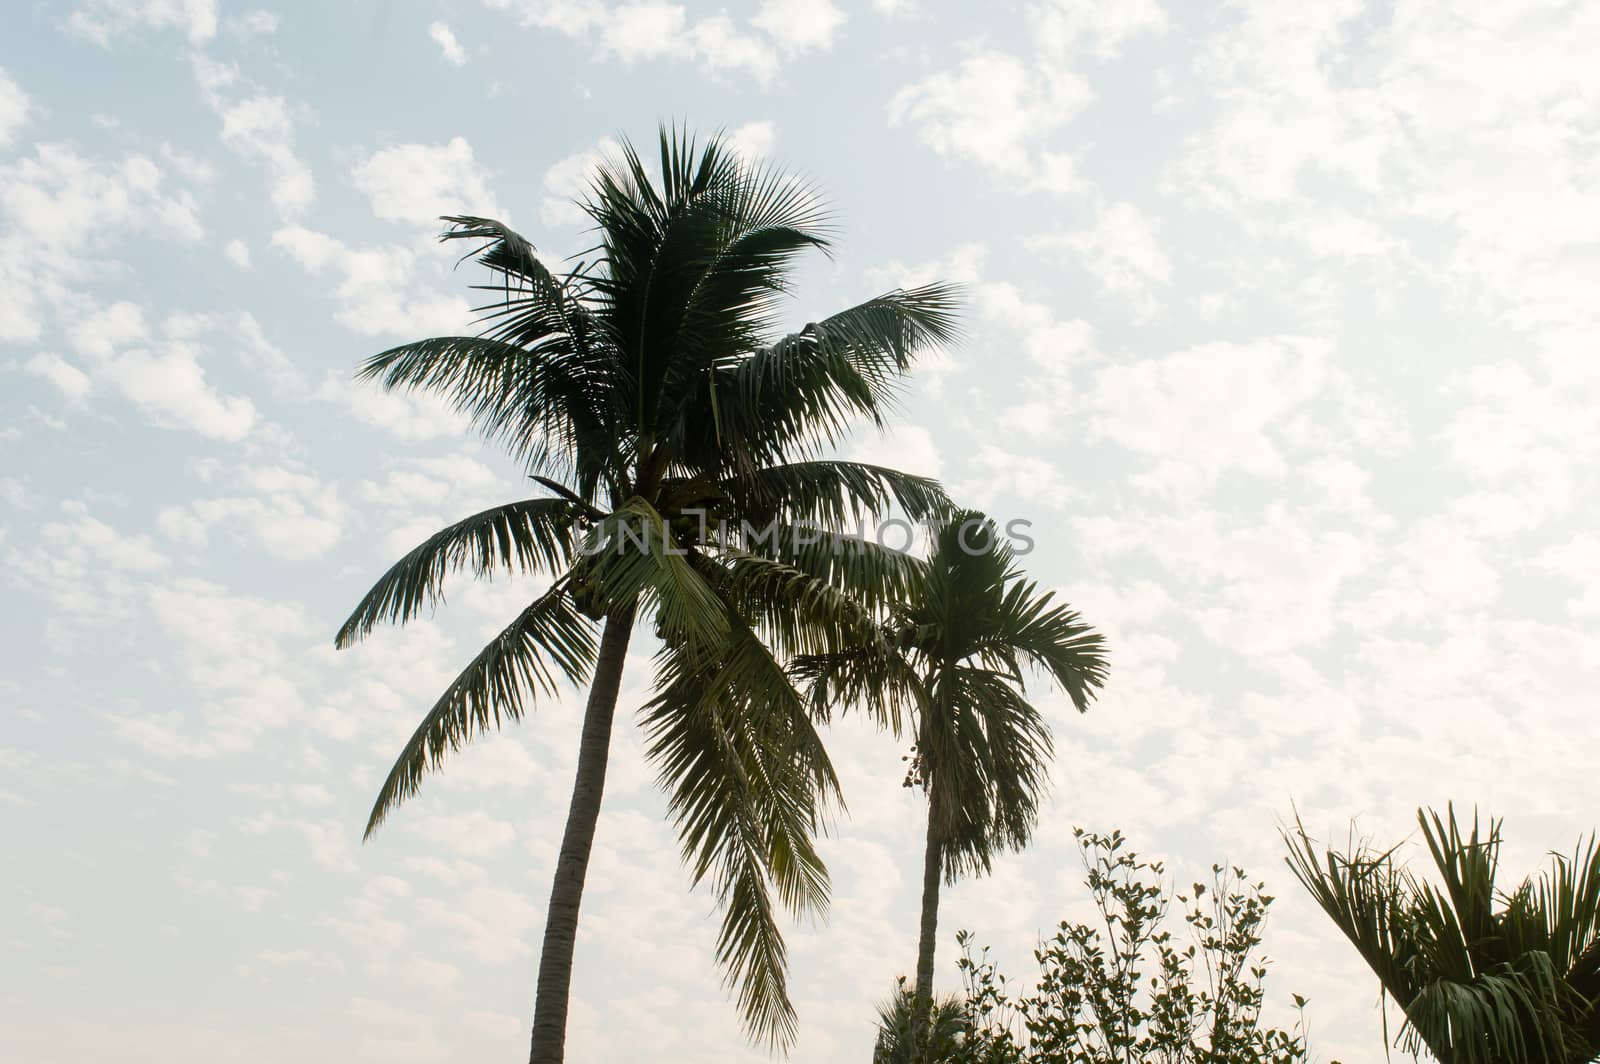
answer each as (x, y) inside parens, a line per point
(547, 642)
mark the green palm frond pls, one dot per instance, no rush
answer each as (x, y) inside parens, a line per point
(1052, 638)
(953, 651)
(871, 675)
(493, 688)
(522, 395)
(795, 612)
(875, 574)
(531, 536)
(1476, 971)
(986, 751)
(743, 771)
(802, 393)
(632, 556)
(835, 493)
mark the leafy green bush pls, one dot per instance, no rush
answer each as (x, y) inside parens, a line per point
(1123, 989)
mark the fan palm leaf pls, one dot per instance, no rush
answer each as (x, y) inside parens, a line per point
(1481, 975)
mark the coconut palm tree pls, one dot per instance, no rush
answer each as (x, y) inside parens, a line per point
(1482, 975)
(677, 442)
(949, 662)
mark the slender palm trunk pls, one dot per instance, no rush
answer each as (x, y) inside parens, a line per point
(566, 893)
(928, 932)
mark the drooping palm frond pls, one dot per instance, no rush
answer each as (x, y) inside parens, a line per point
(493, 688)
(795, 613)
(995, 755)
(522, 395)
(531, 536)
(726, 738)
(872, 676)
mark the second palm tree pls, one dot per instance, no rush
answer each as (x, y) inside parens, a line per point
(949, 662)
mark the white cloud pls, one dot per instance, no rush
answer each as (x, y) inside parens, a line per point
(1062, 27)
(161, 373)
(474, 834)
(1579, 561)
(14, 107)
(260, 128)
(67, 378)
(1121, 250)
(449, 47)
(61, 212)
(375, 287)
(104, 21)
(238, 253)
(1261, 586)
(908, 448)
(89, 571)
(258, 23)
(990, 109)
(417, 183)
(266, 358)
(567, 181)
(797, 25)
(998, 109)
(658, 29)
(753, 140)
(1209, 409)
(287, 512)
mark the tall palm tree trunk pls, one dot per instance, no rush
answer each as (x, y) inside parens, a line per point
(928, 930)
(572, 864)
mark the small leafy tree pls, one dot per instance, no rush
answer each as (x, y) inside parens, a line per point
(1124, 989)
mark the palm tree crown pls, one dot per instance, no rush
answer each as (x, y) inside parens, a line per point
(680, 445)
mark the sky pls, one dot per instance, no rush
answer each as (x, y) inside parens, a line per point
(1281, 329)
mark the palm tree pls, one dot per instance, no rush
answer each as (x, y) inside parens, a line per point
(678, 445)
(1482, 975)
(946, 1035)
(951, 656)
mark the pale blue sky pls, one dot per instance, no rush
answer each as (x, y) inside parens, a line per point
(1282, 333)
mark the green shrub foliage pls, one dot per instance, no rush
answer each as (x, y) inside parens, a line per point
(1123, 988)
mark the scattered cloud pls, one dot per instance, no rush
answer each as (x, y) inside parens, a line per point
(159, 370)
(799, 25)
(449, 47)
(60, 212)
(106, 21)
(375, 286)
(289, 513)
(14, 107)
(998, 109)
(638, 30)
(567, 181)
(1121, 250)
(417, 183)
(258, 127)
